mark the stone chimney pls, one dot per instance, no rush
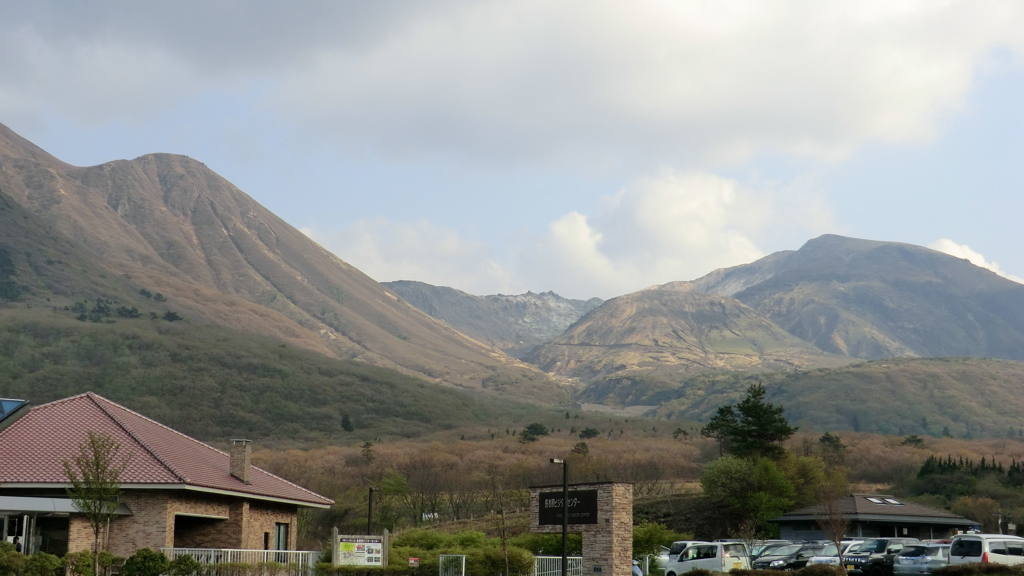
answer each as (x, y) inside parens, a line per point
(241, 460)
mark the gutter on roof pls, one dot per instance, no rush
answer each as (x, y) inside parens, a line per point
(884, 518)
(300, 503)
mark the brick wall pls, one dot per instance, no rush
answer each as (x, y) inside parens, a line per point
(607, 545)
(154, 519)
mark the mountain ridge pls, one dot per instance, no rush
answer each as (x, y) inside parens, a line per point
(173, 225)
(515, 324)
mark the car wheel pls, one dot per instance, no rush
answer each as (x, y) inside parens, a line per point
(671, 574)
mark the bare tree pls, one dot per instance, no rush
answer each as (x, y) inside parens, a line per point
(833, 519)
(95, 478)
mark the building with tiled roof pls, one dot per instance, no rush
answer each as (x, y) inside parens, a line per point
(177, 491)
(874, 516)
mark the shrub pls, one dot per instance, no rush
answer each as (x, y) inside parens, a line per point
(146, 562)
(978, 570)
(822, 570)
(42, 564)
(735, 572)
(11, 562)
(79, 563)
(492, 561)
(184, 566)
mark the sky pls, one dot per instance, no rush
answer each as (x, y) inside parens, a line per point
(587, 147)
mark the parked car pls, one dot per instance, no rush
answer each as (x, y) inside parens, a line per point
(677, 547)
(920, 559)
(792, 557)
(713, 556)
(994, 548)
(874, 557)
(830, 555)
(767, 547)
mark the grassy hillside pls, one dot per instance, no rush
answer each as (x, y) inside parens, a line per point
(216, 384)
(971, 397)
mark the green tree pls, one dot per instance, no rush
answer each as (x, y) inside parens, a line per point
(95, 478)
(753, 428)
(649, 537)
(589, 433)
(346, 423)
(751, 490)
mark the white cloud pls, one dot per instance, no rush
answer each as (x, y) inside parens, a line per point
(964, 251)
(422, 251)
(675, 226)
(599, 82)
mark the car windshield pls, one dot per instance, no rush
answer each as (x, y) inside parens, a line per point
(785, 550)
(873, 546)
(853, 549)
(830, 550)
(913, 551)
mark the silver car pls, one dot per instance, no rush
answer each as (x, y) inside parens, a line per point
(920, 559)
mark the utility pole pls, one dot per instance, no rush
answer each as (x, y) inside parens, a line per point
(369, 512)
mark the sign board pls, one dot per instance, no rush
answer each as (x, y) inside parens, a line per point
(361, 550)
(414, 562)
(582, 507)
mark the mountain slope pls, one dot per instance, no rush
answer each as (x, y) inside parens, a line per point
(174, 226)
(871, 300)
(514, 324)
(673, 332)
(969, 397)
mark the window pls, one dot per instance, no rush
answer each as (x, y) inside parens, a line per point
(1015, 548)
(916, 551)
(965, 547)
(701, 552)
(997, 547)
(734, 550)
(280, 536)
(894, 502)
(875, 501)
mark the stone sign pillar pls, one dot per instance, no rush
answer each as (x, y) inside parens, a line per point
(602, 512)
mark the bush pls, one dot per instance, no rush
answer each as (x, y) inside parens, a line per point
(79, 563)
(11, 562)
(821, 570)
(758, 572)
(491, 560)
(146, 562)
(42, 564)
(979, 569)
(184, 566)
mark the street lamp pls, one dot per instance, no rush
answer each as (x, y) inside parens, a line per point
(565, 513)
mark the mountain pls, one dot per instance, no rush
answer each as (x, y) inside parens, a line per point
(168, 224)
(665, 332)
(514, 324)
(871, 300)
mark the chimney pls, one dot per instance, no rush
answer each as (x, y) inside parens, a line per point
(241, 460)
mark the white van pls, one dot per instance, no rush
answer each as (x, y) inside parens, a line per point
(994, 548)
(713, 556)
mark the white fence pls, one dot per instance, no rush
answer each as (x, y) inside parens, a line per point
(552, 566)
(297, 562)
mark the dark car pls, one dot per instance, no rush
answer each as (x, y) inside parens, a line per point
(875, 557)
(767, 549)
(792, 557)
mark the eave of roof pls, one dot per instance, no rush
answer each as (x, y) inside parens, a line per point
(944, 520)
(191, 487)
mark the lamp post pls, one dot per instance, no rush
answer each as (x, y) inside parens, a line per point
(565, 513)
(369, 511)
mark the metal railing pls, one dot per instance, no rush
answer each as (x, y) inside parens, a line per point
(452, 565)
(296, 562)
(552, 566)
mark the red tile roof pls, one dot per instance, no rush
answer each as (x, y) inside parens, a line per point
(36, 445)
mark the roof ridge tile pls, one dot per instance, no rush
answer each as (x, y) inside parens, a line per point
(93, 397)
